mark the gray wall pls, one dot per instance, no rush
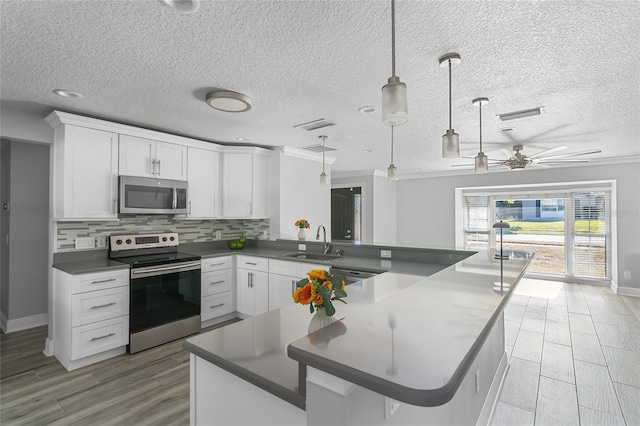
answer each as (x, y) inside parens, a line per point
(426, 207)
(28, 266)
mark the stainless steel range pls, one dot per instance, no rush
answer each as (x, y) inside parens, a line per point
(165, 288)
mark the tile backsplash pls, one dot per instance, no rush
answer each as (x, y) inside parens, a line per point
(189, 231)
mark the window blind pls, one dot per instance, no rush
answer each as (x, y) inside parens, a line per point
(591, 234)
(476, 221)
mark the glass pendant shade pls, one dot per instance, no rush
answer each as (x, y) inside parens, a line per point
(392, 172)
(482, 163)
(324, 179)
(394, 102)
(450, 144)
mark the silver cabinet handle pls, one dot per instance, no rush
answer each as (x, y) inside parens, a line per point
(250, 279)
(216, 282)
(216, 264)
(115, 205)
(103, 281)
(251, 263)
(293, 286)
(102, 337)
(153, 166)
(189, 207)
(158, 161)
(217, 306)
(103, 306)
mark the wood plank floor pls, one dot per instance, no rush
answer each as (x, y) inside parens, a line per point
(147, 388)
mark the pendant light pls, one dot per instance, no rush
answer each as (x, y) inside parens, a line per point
(450, 140)
(392, 171)
(482, 164)
(324, 179)
(394, 93)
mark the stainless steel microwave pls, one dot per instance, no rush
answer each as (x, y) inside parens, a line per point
(140, 195)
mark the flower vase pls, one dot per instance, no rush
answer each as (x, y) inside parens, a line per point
(301, 234)
(320, 320)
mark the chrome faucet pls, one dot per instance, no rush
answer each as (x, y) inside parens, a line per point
(325, 245)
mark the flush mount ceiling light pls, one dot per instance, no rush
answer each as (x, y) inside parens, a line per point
(182, 6)
(520, 114)
(225, 100)
(450, 140)
(394, 93)
(392, 171)
(367, 109)
(67, 93)
(482, 162)
(324, 179)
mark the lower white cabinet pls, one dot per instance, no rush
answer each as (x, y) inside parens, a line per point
(90, 316)
(216, 287)
(283, 276)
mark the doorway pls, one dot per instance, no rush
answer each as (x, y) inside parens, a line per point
(346, 211)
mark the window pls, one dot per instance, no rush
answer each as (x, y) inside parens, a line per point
(568, 225)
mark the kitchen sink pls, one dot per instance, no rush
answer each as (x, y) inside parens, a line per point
(313, 256)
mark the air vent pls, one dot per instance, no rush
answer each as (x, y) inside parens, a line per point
(318, 148)
(315, 125)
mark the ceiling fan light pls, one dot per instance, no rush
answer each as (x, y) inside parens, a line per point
(228, 101)
(482, 163)
(392, 172)
(450, 144)
(394, 102)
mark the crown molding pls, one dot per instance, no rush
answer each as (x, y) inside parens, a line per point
(306, 155)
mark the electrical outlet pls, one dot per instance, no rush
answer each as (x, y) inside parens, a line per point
(265, 235)
(385, 253)
(385, 264)
(101, 242)
(85, 243)
(627, 275)
(302, 247)
(390, 407)
(218, 235)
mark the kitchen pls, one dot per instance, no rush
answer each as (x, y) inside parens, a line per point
(297, 177)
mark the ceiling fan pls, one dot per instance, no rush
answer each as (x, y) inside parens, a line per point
(517, 161)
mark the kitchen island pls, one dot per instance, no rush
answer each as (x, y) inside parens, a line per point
(431, 345)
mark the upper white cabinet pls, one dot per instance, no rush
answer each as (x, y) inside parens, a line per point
(203, 194)
(150, 158)
(245, 176)
(85, 172)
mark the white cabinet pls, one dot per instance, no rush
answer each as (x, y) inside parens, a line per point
(204, 193)
(90, 316)
(85, 173)
(149, 158)
(245, 176)
(283, 276)
(216, 287)
(252, 278)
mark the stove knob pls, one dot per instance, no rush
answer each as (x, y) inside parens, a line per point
(164, 239)
(128, 241)
(172, 238)
(118, 242)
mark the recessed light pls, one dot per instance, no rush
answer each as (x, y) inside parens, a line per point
(67, 93)
(367, 109)
(182, 6)
(228, 101)
(507, 129)
(367, 150)
(241, 139)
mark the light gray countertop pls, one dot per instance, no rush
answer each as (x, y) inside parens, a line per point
(89, 266)
(440, 323)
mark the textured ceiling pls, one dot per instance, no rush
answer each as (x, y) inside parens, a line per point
(140, 63)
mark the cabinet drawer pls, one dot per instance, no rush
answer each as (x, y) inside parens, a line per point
(216, 263)
(216, 305)
(94, 306)
(98, 337)
(216, 282)
(100, 280)
(253, 263)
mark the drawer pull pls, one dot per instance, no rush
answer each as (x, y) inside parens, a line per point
(217, 282)
(217, 264)
(217, 306)
(103, 281)
(103, 337)
(103, 306)
(251, 263)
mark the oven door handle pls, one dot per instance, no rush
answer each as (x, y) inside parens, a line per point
(151, 271)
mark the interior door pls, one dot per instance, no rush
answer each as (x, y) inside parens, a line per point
(344, 223)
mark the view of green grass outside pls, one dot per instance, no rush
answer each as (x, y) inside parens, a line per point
(552, 228)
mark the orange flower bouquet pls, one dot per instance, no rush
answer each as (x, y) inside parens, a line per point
(303, 224)
(320, 290)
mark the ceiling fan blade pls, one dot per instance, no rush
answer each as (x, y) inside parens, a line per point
(462, 165)
(548, 151)
(573, 154)
(509, 154)
(538, 166)
(542, 161)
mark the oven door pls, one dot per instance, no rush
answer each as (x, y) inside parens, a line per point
(164, 294)
(152, 196)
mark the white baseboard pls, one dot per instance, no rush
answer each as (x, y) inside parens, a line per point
(25, 323)
(625, 291)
